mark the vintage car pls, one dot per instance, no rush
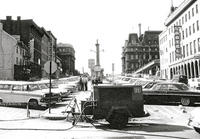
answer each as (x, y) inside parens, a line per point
(45, 84)
(171, 92)
(18, 92)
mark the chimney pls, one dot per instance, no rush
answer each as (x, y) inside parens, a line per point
(139, 25)
(8, 17)
(18, 18)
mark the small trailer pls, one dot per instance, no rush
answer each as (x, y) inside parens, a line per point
(116, 103)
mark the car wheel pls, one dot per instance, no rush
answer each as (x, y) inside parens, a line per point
(33, 103)
(185, 101)
(197, 129)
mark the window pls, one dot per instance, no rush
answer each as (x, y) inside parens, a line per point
(198, 44)
(17, 88)
(17, 49)
(189, 30)
(194, 44)
(186, 33)
(183, 34)
(187, 51)
(170, 58)
(182, 20)
(190, 48)
(136, 56)
(197, 11)
(179, 22)
(193, 28)
(189, 14)
(197, 25)
(183, 51)
(185, 17)
(192, 11)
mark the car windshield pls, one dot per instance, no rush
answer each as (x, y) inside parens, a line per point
(149, 85)
(53, 85)
(43, 86)
(33, 87)
(182, 86)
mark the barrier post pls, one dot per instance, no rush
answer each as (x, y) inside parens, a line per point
(28, 111)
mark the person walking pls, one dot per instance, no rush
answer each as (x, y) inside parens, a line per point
(80, 84)
(85, 81)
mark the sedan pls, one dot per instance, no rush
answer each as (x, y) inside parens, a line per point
(171, 92)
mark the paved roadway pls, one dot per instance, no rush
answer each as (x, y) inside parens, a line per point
(164, 122)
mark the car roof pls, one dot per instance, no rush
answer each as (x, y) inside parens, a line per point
(13, 82)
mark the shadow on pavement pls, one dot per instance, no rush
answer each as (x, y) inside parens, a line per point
(149, 128)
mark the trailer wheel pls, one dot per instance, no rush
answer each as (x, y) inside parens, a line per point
(118, 120)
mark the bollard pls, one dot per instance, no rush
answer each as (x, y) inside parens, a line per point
(28, 111)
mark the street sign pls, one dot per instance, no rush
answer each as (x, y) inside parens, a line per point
(47, 66)
(97, 68)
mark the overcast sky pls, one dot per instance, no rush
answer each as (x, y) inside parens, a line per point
(82, 22)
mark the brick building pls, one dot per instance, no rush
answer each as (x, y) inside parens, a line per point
(38, 39)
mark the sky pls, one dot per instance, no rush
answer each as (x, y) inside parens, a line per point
(81, 22)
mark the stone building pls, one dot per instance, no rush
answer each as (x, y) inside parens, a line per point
(66, 53)
(140, 50)
(180, 41)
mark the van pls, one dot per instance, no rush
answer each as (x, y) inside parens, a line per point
(19, 92)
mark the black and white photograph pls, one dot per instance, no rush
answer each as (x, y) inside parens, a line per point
(100, 69)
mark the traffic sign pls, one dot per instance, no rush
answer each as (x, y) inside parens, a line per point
(47, 66)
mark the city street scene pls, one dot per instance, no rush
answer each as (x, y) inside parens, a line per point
(102, 69)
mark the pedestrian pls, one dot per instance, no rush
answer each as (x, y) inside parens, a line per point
(85, 81)
(80, 84)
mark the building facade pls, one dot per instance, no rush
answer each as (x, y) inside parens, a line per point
(12, 53)
(38, 39)
(180, 41)
(66, 53)
(139, 51)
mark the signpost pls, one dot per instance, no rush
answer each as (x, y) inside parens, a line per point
(177, 39)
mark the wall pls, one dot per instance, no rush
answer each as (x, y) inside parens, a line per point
(7, 55)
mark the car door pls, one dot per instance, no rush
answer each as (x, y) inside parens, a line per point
(5, 92)
(174, 93)
(17, 94)
(161, 92)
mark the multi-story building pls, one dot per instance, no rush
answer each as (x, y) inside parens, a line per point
(12, 53)
(66, 53)
(139, 51)
(180, 41)
(38, 39)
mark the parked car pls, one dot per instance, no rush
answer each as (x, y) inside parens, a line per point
(171, 92)
(194, 119)
(18, 92)
(71, 84)
(45, 84)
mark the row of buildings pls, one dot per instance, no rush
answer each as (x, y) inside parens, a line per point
(174, 50)
(25, 48)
